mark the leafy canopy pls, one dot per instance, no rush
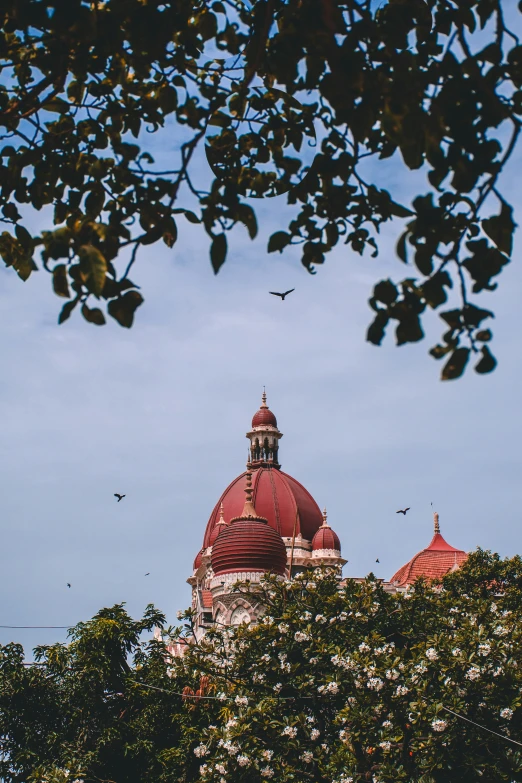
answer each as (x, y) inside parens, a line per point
(289, 98)
(338, 682)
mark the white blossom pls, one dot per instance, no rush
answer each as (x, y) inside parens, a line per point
(438, 725)
(307, 757)
(203, 770)
(500, 630)
(268, 620)
(375, 684)
(267, 754)
(498, 671)
(473, 673)
(387, 724)
(392, 674)
(267, 772)
(455, 651)
(401, 690)
(311, 585)
(299, 636)
(289, 731)
(277, 687)
(201, 750)
(306, 616)
(241, 701)
(363, 647)
(243, 761)
(221, 769)
(506, 713)
(320, 618)
(314, 734)
(385, 745)
(432, 654)
(484, 649)
(343, 735)
(283, 627)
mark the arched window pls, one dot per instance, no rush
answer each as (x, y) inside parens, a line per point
(239, 616)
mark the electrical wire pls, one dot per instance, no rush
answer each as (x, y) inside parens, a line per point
(296, 698)
(37, 626)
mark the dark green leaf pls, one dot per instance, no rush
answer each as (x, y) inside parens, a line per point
(218, 252)
(94, 315)
(123, 308)
(456, 364)
(67, 310)
(278, 241)
(376, 330)
(60, 282)
(94, 264)
(386, 292)
(484, 335)
(500, 228)
(487, 363)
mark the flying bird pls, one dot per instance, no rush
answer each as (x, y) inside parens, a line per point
(377, 561)
(403, 511)
(276, 293)
(148, 573)
(120, 497)
(68, 584)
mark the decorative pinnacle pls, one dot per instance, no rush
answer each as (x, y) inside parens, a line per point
(325, 522)
(249, 510)
(221, 520)
(263, 399)
(436, 522)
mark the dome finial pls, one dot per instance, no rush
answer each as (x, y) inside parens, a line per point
(249, 510)
(263, 399)
(221, 520)
(325, 519)
(436, 522)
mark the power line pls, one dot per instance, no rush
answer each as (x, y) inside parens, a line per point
(66, 627)
(484, 728)
(296, 698)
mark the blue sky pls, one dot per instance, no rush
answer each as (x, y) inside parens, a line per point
(160, 413)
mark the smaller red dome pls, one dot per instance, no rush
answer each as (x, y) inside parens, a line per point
(264, 416)
(325, 538)
(198, 560)
(248, 545)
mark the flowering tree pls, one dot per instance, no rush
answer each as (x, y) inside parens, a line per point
(339, 683)
(348, 683)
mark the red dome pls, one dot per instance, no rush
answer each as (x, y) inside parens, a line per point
(248, 545)
(264, 416)
(432, 563)
(198, 560)
(325, 538)
(278, 498)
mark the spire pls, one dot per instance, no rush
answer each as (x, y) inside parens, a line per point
(263, 399)
(325, 522)
(249, 510)
(436, 523)
(221, 520)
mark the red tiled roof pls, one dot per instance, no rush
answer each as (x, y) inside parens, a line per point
(433, 562)
(206, 598)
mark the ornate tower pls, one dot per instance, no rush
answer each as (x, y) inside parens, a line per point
(264, 438)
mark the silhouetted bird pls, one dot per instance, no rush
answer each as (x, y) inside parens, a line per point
(68, 584)
(148, 573)
(120, 497)
(377, 561)
(275, 293)
(403, 511)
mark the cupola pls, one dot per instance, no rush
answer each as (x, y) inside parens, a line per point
(248, 543)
